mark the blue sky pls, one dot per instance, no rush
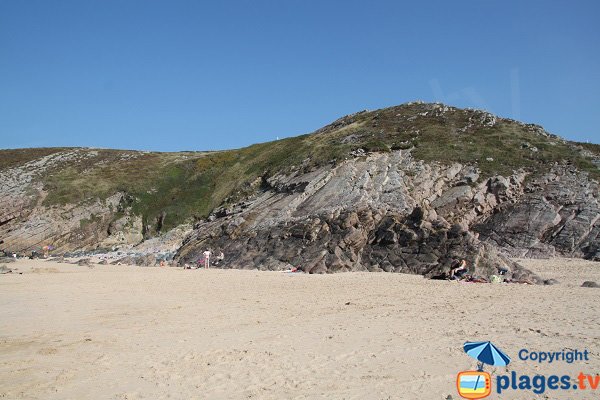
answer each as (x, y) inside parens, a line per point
(196, 75)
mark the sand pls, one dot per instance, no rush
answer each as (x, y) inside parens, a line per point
(108, 332)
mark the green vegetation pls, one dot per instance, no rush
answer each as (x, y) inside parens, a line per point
(189, 185)
(14, 158)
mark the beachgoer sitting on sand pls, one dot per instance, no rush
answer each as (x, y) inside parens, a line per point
(220, 257)
(459, 270)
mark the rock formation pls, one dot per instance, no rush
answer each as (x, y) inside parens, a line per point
(405, 189)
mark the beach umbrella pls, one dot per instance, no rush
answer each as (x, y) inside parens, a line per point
(486, 353)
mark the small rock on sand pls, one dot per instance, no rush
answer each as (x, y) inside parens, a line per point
(591, 284)
(551, 282)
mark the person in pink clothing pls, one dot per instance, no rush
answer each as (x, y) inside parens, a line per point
(207, 255)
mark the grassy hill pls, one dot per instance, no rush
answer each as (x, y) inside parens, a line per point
(189, 185)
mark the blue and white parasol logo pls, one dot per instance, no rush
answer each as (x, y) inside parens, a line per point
(486, 353)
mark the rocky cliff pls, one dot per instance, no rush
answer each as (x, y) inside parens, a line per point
(403, 189)
(387, 211)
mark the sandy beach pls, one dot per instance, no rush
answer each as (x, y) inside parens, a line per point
(120, 332)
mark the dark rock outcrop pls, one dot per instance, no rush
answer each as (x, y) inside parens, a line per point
(361, 241)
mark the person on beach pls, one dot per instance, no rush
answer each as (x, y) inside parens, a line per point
(458, 270)
(207, 255)
(219, 258)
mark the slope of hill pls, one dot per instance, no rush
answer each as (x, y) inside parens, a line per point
(405, 188)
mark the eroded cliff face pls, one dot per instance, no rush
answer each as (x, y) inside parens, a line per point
(387, 211)
(27, 224)
(556, 214)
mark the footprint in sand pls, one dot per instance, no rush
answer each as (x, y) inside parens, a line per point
(47, 351)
